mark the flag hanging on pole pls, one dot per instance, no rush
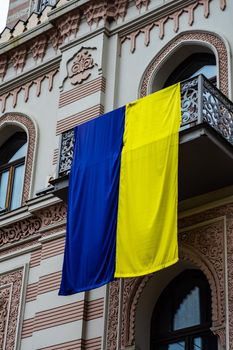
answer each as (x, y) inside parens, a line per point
(123, 190)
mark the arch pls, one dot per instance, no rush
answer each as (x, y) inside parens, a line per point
(211, 40)
(24, 122)
(133, 289)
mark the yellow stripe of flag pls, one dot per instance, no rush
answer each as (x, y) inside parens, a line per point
(147, 209)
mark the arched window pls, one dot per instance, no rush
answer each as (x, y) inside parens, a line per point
(182, 316)
(187, 61)
(193, 65)
(12, 166)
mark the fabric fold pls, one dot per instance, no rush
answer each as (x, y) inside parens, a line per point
(89, 259)
(148, 194)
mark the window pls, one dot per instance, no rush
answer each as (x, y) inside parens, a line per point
(12, 164)
(195, 64)
(182, 316)
(43, 3)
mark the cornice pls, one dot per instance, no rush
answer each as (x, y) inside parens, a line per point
(24, 37)
(28, 230)
(153, 14)
(28, 76)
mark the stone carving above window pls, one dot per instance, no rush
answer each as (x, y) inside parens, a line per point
(80, 66)
(10, 291)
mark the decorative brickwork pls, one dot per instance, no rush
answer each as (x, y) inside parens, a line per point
(161, 22)
(27, 87)
(80, 66)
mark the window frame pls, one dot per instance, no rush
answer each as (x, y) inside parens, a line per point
(10, 183)
(183, 282)
(8, 150)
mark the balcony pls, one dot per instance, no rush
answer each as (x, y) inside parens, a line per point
(206, 142)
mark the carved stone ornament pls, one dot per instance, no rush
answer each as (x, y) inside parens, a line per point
(80, 66)
(113, 314)
(161, 22)
(19, 58)
(96, 11)
(10, 290)
(140, 3)
(68, 25)
(38, 47)
(20, 230)
(3, 66)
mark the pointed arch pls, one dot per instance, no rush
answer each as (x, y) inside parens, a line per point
(211, 40)
(22, 121)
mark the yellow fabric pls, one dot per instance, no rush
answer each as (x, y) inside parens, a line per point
(147, 209)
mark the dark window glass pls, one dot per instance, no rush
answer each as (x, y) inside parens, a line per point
(195, 64)
(12, 164)
(43, 3)
(182, 316)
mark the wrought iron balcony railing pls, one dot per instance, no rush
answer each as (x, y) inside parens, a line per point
(201, 103)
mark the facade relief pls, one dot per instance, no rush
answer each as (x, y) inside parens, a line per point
(10, 292)
(161, 23)
(80, 66)
(95, 11)
(27, 87)
(19, 231)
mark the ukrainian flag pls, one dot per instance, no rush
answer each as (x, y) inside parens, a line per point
(122, 210)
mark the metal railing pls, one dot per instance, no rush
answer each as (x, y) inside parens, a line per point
(201, 102)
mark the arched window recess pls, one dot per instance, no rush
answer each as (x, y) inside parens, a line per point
(12, 167)
(181, 319)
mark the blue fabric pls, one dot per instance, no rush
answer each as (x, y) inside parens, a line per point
(89, 260)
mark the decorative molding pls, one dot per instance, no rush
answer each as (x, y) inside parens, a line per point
(229, 228)
(140, 3)
(10, 291)
(27, 87)
(4, 309)
(160, 23)
(39, 47)
(106, 10)
(80, 66)
(68, 25)
(113, 314)
(9, 119)
(20, 230)
(52, 215)
(3, 66)
(189, 37)
(93, 12)
(18, 58)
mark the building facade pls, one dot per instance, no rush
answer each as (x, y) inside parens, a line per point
(63, 63)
